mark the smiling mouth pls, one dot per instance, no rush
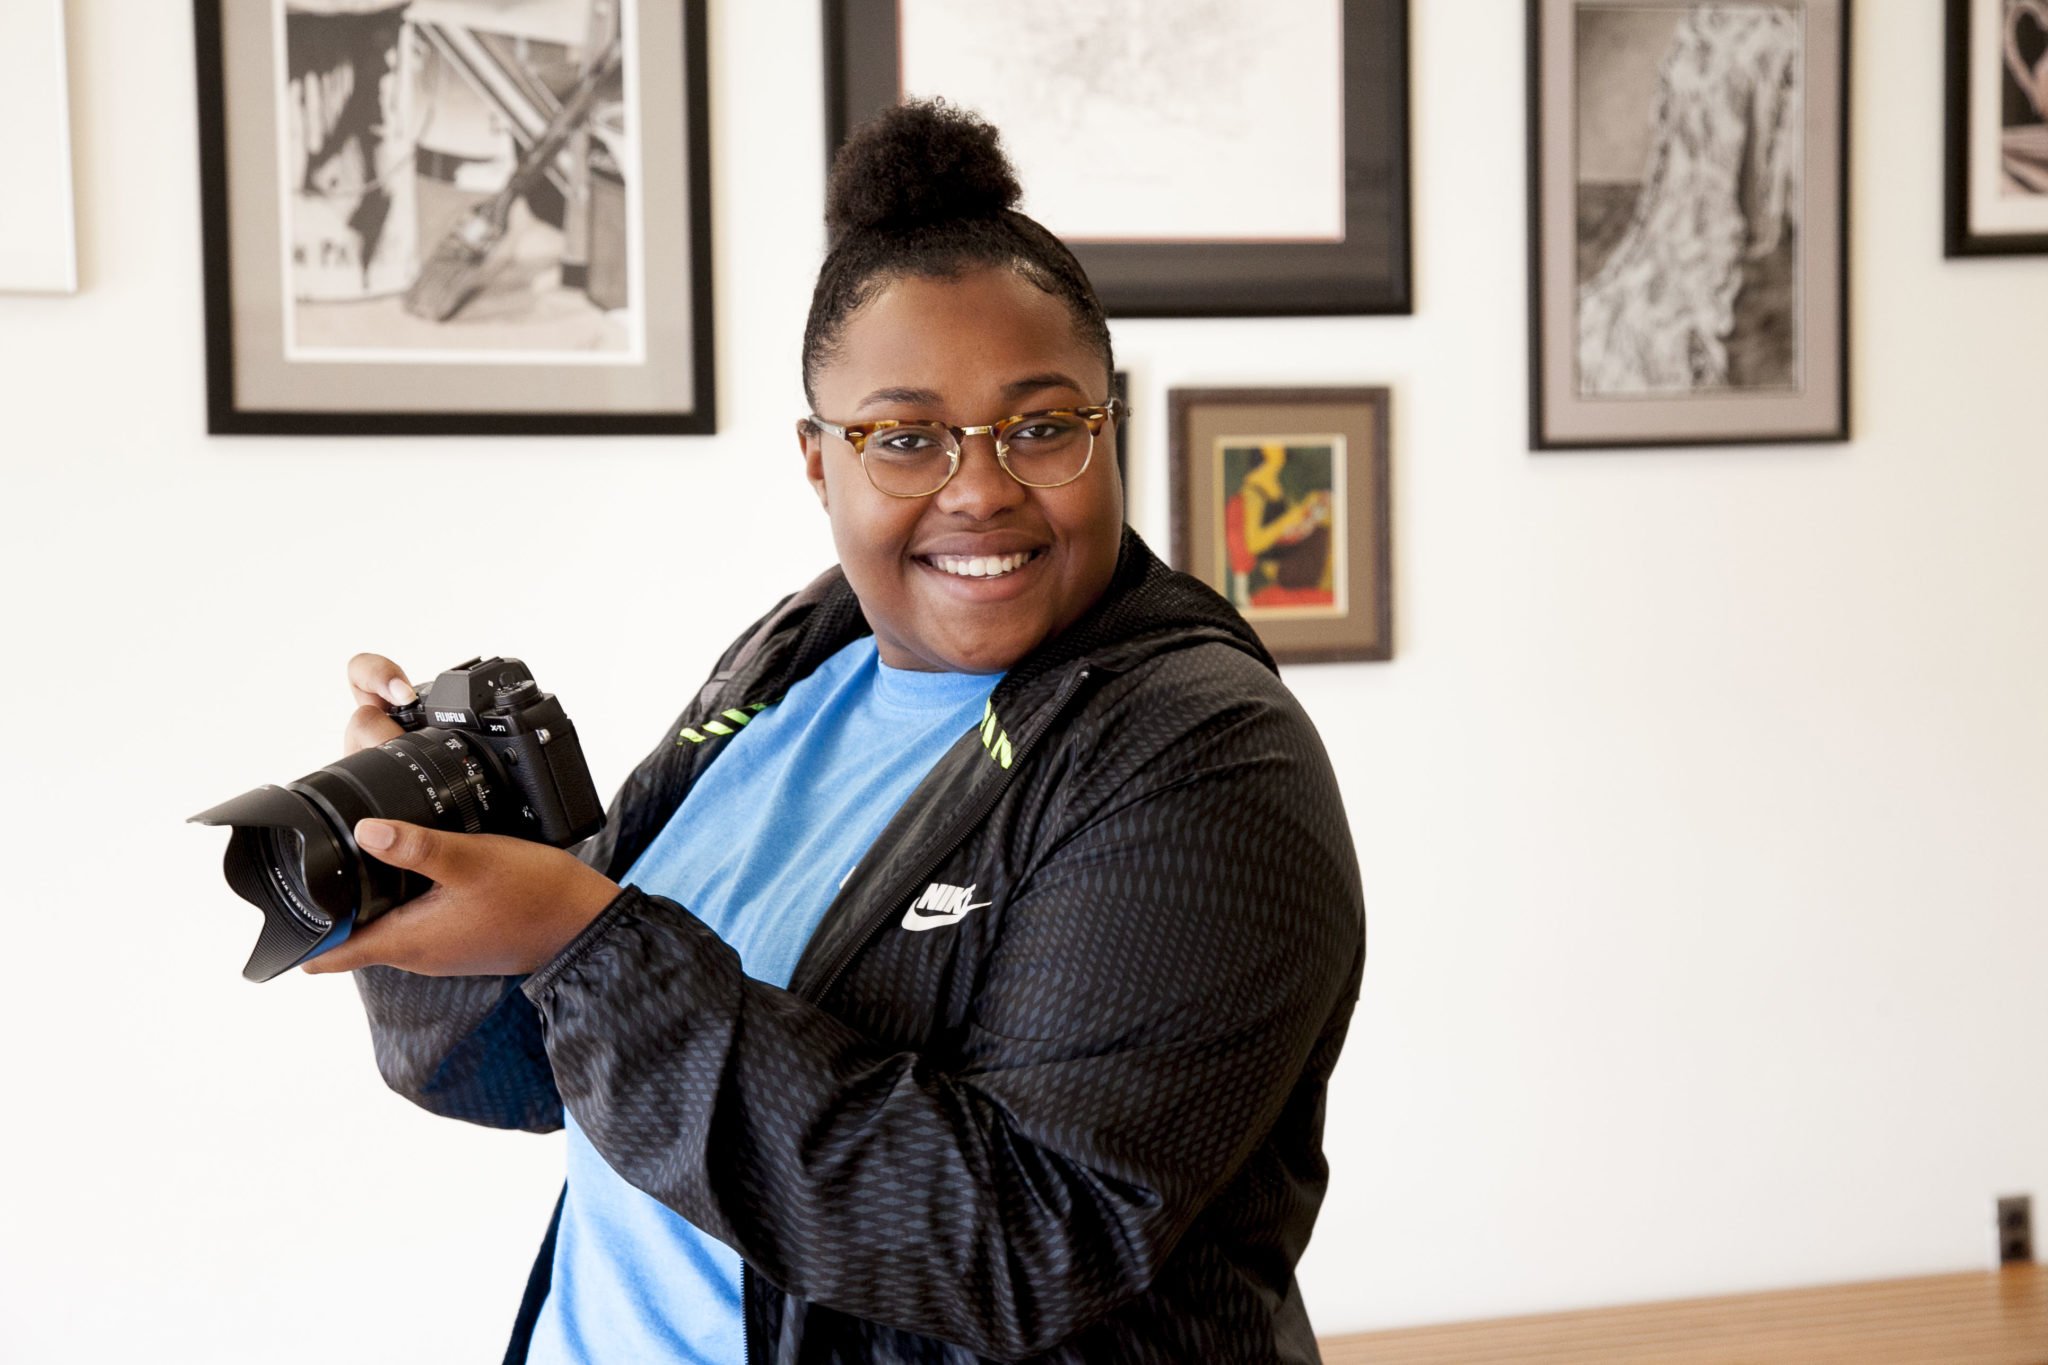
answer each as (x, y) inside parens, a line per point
(980, 566)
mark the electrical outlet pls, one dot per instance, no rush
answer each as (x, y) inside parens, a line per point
(2015, 1230)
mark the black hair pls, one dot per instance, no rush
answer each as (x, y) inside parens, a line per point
(923, 189)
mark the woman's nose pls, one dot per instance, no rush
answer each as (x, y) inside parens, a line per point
(981, 487)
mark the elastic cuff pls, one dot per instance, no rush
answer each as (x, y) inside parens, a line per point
(537, 985)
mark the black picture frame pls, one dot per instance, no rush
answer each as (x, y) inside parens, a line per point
(1120, 388)
(666, 385)
(1342, 609)
(1566, 411)
(1367, 271)
(1966, 49)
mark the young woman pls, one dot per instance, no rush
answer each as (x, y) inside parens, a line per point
(960, 976)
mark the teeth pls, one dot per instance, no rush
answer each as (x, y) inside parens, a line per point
(979, 566)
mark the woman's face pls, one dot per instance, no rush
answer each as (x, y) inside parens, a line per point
(965, 351)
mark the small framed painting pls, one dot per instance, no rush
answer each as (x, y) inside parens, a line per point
(1233, 159)
(1689, 222)
(1997, 184)
(1280, 503)
(456, 217)
(38, 247)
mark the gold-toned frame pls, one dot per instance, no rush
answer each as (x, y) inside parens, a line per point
(1362, 628)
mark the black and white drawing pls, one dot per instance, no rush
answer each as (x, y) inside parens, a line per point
(2023, 100)
(456, 216)
(1688, 243)
(1688, 140)
(1997, 198)
(38, 250)
(1204, 157)
(1152, 80)
(459, 177)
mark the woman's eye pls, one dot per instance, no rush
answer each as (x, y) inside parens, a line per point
(904, 442)
(1046, 430)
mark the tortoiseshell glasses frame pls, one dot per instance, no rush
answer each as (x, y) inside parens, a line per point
(1044, 442)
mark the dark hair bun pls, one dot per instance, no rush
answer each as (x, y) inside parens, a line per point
(920, 162)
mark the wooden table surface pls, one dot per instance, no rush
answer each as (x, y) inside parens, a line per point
(1976, 1318)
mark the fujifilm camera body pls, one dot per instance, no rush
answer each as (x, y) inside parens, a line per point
(485, 751)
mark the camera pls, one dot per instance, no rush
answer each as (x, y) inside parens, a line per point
(484, 751)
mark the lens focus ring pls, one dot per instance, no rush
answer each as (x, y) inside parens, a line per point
(448, 777)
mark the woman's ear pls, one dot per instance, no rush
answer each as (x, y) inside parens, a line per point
(811, 442)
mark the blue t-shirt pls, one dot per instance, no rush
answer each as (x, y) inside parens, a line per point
(757, 851)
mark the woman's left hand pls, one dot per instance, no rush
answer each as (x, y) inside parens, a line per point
(499, 906)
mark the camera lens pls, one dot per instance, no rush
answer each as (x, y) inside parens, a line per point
(293, 854)
(428, 777)
(283, 855)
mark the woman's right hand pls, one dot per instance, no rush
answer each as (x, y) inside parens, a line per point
(377, 684)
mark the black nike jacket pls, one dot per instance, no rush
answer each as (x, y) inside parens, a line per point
(1081, 1121)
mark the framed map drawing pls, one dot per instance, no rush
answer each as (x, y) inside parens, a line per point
(1202, 157)
(1280, 503)
(1997, 183)
(1688, 172)
(38, 245)
(456, 216)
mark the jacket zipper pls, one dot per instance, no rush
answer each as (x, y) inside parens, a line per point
(975, 814)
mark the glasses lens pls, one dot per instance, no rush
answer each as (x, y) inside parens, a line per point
(908, 461)
(1048, 448)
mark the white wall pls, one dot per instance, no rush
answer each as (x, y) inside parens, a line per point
(1701, 813)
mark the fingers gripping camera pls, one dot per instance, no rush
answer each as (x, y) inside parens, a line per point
(485, 752)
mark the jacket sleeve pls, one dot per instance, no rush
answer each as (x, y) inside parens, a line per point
(464, 1047)
(1159, 983)
(470, 1047)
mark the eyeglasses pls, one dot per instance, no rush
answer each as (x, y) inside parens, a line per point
(916, 459)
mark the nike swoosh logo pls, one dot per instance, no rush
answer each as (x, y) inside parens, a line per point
(917, 920)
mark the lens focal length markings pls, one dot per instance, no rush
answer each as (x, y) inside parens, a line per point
(453, 783)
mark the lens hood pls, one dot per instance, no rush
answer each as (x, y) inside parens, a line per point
(288, 860)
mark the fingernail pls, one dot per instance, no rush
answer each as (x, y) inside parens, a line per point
(400, 691)
(375, 834)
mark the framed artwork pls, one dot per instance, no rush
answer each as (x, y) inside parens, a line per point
(1120, 388)
(1997, 190)
(1280, 503)
(1215, 161)
(1688, 264)
(456, 217)
(38, 246)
